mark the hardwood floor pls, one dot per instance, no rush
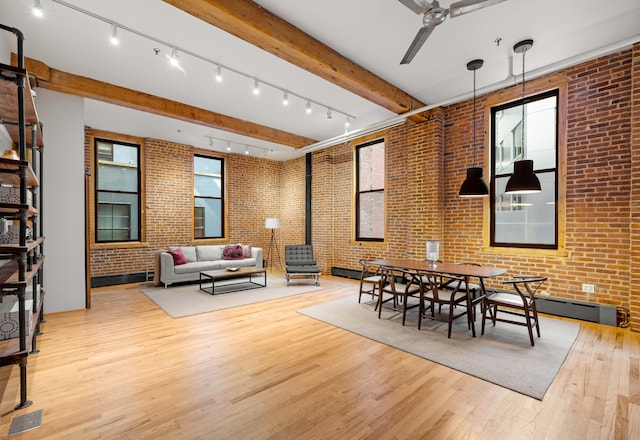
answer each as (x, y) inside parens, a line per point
(124, 369)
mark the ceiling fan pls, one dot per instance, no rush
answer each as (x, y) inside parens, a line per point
(433, 15)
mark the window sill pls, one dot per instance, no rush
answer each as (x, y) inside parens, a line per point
(559, 253)
(368, 243)
(119, 245)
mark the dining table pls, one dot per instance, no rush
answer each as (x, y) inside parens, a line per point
(464, 271)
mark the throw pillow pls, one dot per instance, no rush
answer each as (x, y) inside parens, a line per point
(178, 257)
(232, 252)
(246, 250)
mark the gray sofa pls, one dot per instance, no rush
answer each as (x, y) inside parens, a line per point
(201, 258)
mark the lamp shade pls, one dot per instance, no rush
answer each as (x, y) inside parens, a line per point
(272, 223)
(523, 180)
(474, 185)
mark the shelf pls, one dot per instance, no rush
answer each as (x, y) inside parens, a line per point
(9, 278)
(12, 208)
(23, 261)
(9, 175)
(9, 105)
(10, 352)
(16, 249)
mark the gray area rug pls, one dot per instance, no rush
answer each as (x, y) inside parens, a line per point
(502, 356)
(187, 300)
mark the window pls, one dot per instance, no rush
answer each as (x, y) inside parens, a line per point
(208, 197)
(370, 177)
(525, 220)
(117, 191)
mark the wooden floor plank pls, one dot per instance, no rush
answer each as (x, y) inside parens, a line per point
(124, 369)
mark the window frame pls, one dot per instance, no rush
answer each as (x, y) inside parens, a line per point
(519, 156)
(223, 198)
(362, 143)
(92, 173)
(533, 87)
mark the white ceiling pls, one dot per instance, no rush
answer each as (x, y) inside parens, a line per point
(372, 33)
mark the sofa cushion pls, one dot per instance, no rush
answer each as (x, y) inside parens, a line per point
(178, 257)
(232, 252)
(211, 252)
(197, 267)
(188, 251)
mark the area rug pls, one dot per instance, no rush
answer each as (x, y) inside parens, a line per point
(503, 356)
(187, 300)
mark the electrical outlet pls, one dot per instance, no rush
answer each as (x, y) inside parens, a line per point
(588, 288)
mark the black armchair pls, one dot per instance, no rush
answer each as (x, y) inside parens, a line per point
(300, 263)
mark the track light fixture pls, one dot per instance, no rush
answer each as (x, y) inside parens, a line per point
(173, 58)
(285, 98)
(474, 185)
(524, 179)
(37, 9)
(248, 149)
(329, 116)
(256, 87)
(114, 35)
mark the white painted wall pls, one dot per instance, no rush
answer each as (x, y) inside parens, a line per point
(63, 200)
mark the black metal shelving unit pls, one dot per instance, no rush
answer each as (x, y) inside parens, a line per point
(23, 260)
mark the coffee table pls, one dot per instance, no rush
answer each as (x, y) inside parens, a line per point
(225, 274)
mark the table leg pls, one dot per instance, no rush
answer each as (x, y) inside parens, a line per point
(470, 308)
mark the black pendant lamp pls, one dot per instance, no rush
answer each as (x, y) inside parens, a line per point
(523, 180)
(474, 185)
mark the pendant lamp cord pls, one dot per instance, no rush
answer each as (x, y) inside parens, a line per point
(474, 118)
(524, 52)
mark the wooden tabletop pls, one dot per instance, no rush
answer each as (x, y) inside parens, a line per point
(467, 270)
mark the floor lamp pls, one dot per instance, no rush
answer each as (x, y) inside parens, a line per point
(273, 224)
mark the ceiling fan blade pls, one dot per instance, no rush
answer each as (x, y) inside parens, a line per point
(417, 6)
(465, 6)
(418, 41)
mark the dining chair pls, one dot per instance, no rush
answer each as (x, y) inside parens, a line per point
(521, 303)
(399, 291)
(369, 280)
(474, 288)
(434, 292)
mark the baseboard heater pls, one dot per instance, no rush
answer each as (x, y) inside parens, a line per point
(600, 313)
(124, 278)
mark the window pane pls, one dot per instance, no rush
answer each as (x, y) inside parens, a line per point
(540, 135)
(117, 178)
(117, 212)
(210, 211)
(206, 186)
(371, 215)
(208, 201)
(370, 180)
(526, 218)
(117, 192)
(371, 167)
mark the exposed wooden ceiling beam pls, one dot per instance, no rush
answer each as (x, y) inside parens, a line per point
(70, 83)
(249, 21)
